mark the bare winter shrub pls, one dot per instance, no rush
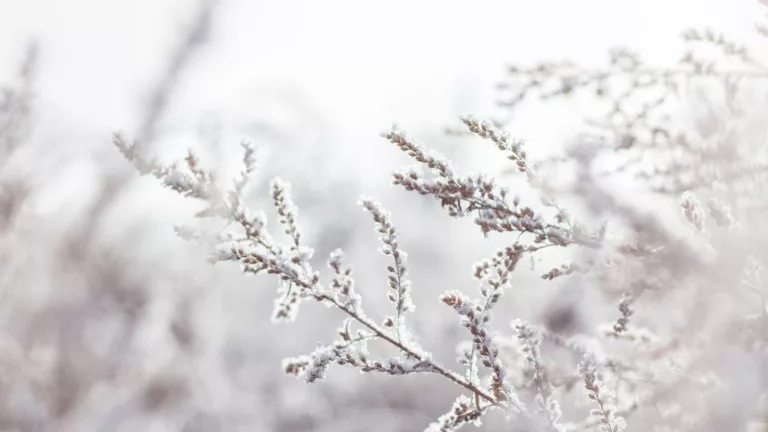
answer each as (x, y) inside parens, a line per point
(675, 310)
(640, 125)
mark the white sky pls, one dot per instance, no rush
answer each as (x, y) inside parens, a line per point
(361, 64)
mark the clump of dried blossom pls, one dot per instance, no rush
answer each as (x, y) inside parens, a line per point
(257, 251)
(663, 364)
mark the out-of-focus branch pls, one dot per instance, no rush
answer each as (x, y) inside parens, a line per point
(196, 36)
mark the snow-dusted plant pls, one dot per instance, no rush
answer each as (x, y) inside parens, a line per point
(671, 351)
(252, 245)
(531, 395)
